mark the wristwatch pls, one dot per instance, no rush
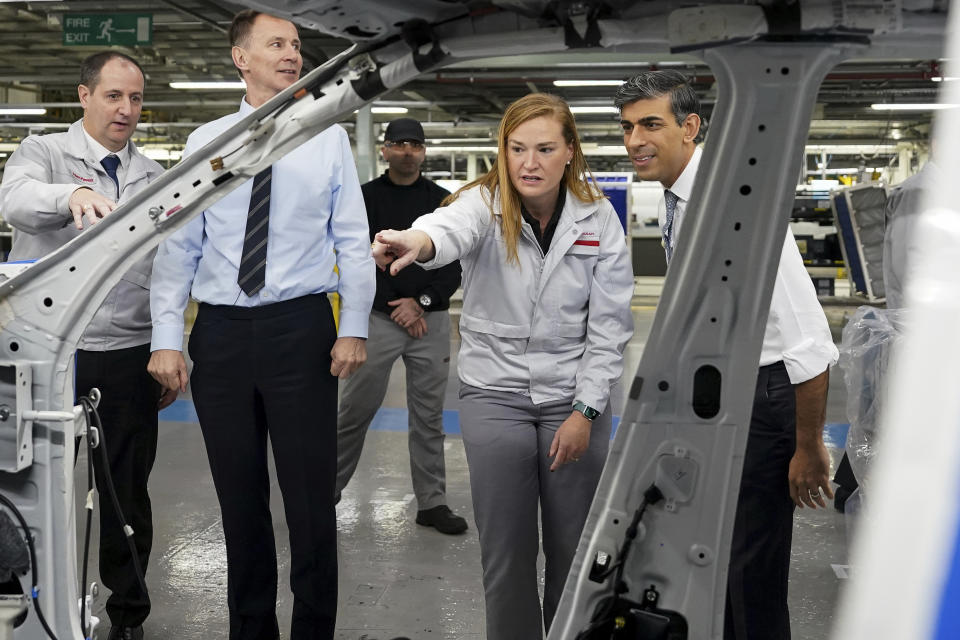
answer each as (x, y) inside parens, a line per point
(588, 412)
(425, 300)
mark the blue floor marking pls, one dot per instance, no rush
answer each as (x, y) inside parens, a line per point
(394, 419)
(387, 419)
(180, 411)
(835, 434)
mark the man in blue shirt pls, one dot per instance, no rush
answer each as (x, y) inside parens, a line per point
(266, 354)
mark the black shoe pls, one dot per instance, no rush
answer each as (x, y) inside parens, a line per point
(126, 633)
(444, 520)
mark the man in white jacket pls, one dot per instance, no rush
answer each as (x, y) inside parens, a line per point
(54, 187)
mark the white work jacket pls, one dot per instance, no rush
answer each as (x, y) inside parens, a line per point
(37, 183)
(553, 327)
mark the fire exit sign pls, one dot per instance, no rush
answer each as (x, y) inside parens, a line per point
(105, 29)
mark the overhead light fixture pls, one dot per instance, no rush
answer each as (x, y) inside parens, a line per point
(461, 149)
(911, 106)
(22, 111)
(843, 171)
(944, 78)
(206, 85)
(388, 110)
(609, 63)
(587, 83)
(161, 153)
(839, 149)
(457, 140)
(594, 110)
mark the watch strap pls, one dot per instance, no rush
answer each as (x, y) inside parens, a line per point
(588, 412)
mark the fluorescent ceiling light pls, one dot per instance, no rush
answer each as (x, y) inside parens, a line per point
(917, 106)
(587, 83)
(237, 84)
(3, 155)
(843, 171)
(13, 111)
(458, 140)
(594, 110)
(388, 109)
(466, 149)
(944, 78)
(156, 153)
(850, 149)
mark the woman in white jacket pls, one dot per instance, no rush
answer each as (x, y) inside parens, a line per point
(546, 315)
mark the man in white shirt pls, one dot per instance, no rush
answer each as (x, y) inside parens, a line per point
(786, 463)
(54, 187)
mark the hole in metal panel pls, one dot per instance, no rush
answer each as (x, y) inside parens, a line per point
(706, 391)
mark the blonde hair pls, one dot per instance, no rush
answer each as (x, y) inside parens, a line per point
(497, 180)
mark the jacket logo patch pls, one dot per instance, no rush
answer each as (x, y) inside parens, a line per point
(587, 239)
(82, 179)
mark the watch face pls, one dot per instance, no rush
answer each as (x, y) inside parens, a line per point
(425, 300)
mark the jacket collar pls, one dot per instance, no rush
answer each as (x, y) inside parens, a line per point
(574, 209)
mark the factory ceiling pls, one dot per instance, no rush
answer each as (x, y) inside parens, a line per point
(461, 104)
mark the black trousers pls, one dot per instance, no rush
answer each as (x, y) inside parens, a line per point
(260, 371)
(128, 411)
(763, 531)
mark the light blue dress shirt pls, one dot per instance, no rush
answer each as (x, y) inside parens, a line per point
(317, 222)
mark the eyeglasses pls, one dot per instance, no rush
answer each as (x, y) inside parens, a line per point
(404, 144)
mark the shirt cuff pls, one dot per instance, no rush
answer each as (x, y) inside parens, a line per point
(591, 396)
(353, 324)
(809, 359)
(167, 336)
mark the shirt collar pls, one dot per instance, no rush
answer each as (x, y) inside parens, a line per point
(245, 107)
(100, 152)
(683, 187)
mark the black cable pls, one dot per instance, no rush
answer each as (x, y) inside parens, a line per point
(88, 505)
(35, 590)
(111, 490)
(652, 495)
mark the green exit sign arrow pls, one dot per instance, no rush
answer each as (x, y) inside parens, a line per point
(105, 29)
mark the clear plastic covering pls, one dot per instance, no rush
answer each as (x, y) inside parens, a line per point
(868, 340)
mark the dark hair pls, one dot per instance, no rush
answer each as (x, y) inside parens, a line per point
(653, 84)
(91, 67)
(240, 27)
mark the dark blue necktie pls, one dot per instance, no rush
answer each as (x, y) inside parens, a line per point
(110, 164)
(252, 274)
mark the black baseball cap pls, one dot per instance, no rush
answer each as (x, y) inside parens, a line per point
(404, 129)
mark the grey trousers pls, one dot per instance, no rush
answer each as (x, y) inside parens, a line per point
(427, 361)
(507, 438)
